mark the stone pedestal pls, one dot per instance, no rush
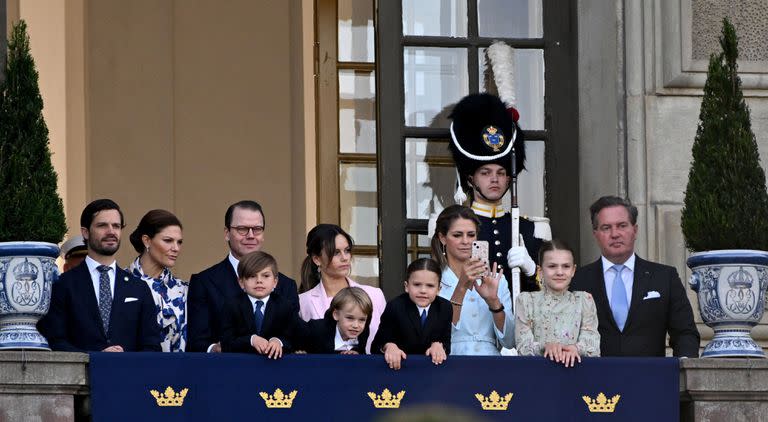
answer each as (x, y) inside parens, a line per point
(733, 390)
(43, 386)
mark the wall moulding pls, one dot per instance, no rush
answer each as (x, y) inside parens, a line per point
(677, 71)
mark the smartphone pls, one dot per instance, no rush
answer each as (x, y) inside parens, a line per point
(480, 250)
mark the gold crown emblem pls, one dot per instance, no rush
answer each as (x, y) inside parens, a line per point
(386, 400)
(278, 400)
(494, 401)
(169, 397)
(602, 404)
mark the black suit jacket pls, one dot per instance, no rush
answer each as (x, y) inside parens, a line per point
(209, 291)
(238, 323)
(401, 324)
(73, 322)
(319, 336)
(649, 320)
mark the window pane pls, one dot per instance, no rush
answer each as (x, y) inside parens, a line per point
(424, 240)
(357, 202)
(446, 18)
(365, 270)
(529, 85)
(434, 78)
(429, 187)
(356, 36)
(510, 18)
(530, 183)
(357, 112)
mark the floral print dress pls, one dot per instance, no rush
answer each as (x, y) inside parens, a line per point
(556, 317)
(170, 295)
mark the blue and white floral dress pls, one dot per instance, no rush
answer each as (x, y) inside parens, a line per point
(170, 295)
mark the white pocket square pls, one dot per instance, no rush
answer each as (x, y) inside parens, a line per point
(134, 299)
(653, 294)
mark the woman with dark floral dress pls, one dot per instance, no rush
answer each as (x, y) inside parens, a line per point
(158, 240)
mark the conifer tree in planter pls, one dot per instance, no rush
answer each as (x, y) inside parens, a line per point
(31, 212)
(725, 213)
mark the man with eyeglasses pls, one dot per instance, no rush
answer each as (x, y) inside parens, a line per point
(210, 289)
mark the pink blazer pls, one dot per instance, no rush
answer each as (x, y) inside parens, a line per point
(313, 304)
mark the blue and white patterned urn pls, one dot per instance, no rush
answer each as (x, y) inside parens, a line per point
(731, 288)
(27, 271)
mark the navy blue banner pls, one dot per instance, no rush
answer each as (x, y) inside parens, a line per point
(230, 387)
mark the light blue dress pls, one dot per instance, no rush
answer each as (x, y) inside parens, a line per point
(475, 333)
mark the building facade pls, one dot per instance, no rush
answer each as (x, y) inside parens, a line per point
(335, 111)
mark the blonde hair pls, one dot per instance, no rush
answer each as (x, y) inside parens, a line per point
(355, 296)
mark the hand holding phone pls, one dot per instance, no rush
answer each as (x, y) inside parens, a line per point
(480, 251)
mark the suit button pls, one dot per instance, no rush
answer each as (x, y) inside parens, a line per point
(497, 243)
(495, 231)
(498, 254)
(493, 221)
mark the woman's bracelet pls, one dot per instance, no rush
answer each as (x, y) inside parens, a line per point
(496, 311)
(453, 302)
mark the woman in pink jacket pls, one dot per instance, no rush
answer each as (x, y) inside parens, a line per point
(326, 270)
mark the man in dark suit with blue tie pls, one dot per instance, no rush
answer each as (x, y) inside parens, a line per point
(209, 290)
(638, 301)
(97, 306)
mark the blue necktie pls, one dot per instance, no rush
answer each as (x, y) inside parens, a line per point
(619, 303)
(105, 295)
(258, 316)
(423, 317)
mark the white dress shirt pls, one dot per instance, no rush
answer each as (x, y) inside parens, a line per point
(627, 275)
(341, 345)
(95, 275)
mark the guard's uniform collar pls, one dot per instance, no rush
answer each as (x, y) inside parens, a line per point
(491, 211)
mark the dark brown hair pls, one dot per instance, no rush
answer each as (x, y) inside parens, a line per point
(443, 224)
(254, 262)
(611, 201)
(554, 245)
(426, 264)
(321, 241)
(153, 222)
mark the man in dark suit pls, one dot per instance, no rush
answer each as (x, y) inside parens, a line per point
(97, 306)
(638, 302)
(210, 289)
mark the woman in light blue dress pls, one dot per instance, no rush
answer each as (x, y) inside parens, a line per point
(158, 240)
(482, 312)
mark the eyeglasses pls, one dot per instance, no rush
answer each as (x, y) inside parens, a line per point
(243, 230)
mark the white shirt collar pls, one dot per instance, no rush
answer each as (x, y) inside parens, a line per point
(341, 345)
(629, 263)
(234, 261)
(253, 302)
(93, 264)
(423, 309)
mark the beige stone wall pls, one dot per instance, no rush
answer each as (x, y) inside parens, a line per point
(183, 105)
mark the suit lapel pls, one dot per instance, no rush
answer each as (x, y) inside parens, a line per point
(600, 295)
(413, 315)
(330, 335)
(318, 293)
(225, 280)
(641, 277)
(270, 313)
(246, 310)
(91, 304)
(118, 298)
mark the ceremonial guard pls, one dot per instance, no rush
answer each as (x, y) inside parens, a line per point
(488, 147)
